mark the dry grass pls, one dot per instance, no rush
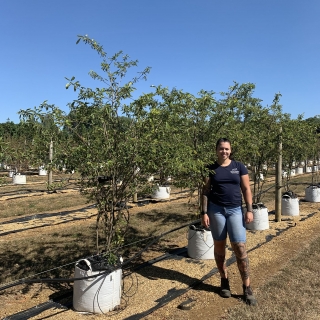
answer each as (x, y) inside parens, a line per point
(292, 294)
(40, 204)
(296, 184)
(33, 197)
(64, 244)
(29, 253)
(24, 257)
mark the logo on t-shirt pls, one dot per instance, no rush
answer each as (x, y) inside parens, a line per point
(234, 171)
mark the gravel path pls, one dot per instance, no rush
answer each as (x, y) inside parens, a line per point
(269, 251)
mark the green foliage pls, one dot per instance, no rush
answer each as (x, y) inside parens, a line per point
(259, 140)
(58, 185)
(300, 143)
(42, 121)
(115, 142)
(15, 144)
(105, 137)
(2, 181)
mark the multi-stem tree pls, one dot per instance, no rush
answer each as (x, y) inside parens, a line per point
(107, 135)
(16, 145)
(46, 140)
(260, 129)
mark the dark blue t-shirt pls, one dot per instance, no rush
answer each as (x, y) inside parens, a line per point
(225, 184)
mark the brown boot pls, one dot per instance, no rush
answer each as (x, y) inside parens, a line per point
(248, 296)
(225, 288)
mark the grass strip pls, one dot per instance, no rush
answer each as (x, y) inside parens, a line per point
(293, 293)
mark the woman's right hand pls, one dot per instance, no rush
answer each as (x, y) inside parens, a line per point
(205, 220)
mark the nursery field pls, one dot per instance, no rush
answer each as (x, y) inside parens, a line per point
(43, 234)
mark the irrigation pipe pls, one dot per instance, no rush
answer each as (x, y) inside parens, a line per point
(175, 294)
(264, 191)
(168, 298)
(61, 280)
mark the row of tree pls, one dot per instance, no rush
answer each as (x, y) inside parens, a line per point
(167, 132)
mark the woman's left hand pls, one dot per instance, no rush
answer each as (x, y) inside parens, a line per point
(248, 217)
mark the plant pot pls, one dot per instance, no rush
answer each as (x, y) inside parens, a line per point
(260, 177)
(42, 171)
(19, 179)
(260, 218)
(100, 294)
(315, 168)
(299, 170)
(289, 205)
(308, 169)
(312, 194)
(160, 192)
(292, 172)
(284, 174)
(200, 243)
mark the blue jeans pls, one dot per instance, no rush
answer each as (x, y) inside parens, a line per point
(227, 220)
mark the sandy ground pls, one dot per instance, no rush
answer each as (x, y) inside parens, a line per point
(167, 282)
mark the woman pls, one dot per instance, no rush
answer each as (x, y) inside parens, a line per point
(222, 210)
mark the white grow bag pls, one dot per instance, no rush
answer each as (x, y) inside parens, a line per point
(161, 192)
(260, 219)
(200, 243)
(312, 194)
(100, 294)
(309, 169)
(293, 172)
(19, 179)
(289, 206)
(42, 172)
(299, 170)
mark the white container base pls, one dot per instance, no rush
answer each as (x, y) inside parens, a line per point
(100, 294)
(312, 194)
(289, 206)
(200, 244)
(260, 219)
(19, 179)
(42, 172)
(161, 192)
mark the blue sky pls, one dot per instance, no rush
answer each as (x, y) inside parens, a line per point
(190, 45)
